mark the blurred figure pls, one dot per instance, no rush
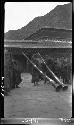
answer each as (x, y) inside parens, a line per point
(35, 76)
(16, 75)
(44, 70)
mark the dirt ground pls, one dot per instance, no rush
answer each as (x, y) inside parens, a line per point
(41, 101)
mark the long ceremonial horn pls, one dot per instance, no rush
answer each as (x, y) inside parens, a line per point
(58, 87)
(54, 76)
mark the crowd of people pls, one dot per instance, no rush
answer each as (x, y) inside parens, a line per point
(12, 75)
(62, 69)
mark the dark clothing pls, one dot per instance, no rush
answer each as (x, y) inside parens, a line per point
(35, 75)
(66, 73)
(16, 77)
(43, 67)
(44, 70)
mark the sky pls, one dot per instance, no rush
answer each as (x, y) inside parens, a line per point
(19, 14)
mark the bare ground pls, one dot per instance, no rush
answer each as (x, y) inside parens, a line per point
(41, 101)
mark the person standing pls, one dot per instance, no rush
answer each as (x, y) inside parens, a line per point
(44, 70)
(35, 76)
(16, 75)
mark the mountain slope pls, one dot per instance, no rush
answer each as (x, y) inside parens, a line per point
(51, 33)
(60, 17)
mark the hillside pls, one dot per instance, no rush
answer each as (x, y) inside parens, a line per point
(60, 17)
(51, 33)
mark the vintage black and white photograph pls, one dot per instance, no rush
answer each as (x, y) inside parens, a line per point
(38, 61)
